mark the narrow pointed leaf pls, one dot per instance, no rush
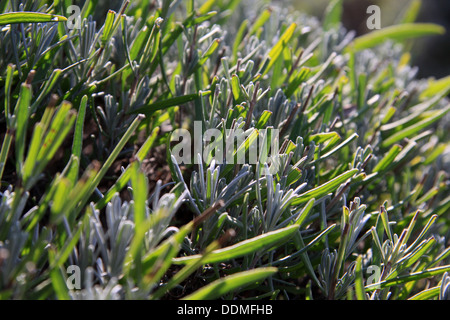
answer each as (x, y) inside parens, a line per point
(29, 17)
(227, 284)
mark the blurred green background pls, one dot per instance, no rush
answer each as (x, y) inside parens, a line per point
(431, 54)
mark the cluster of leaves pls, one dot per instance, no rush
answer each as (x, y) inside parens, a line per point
(357, 183)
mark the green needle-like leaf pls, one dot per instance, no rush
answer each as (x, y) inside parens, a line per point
(359, 280)
(29, 17)
(407, 278)
(408, 132)
(222, 286)
(398, 33)
(263, 242)
(325, 188)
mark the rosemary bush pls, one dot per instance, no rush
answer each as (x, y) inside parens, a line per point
(353, 203)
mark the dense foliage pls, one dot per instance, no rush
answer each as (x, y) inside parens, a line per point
(353, 204)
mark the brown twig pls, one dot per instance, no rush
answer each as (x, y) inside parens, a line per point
(251, 106)
(294, 111)
(295, 65)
